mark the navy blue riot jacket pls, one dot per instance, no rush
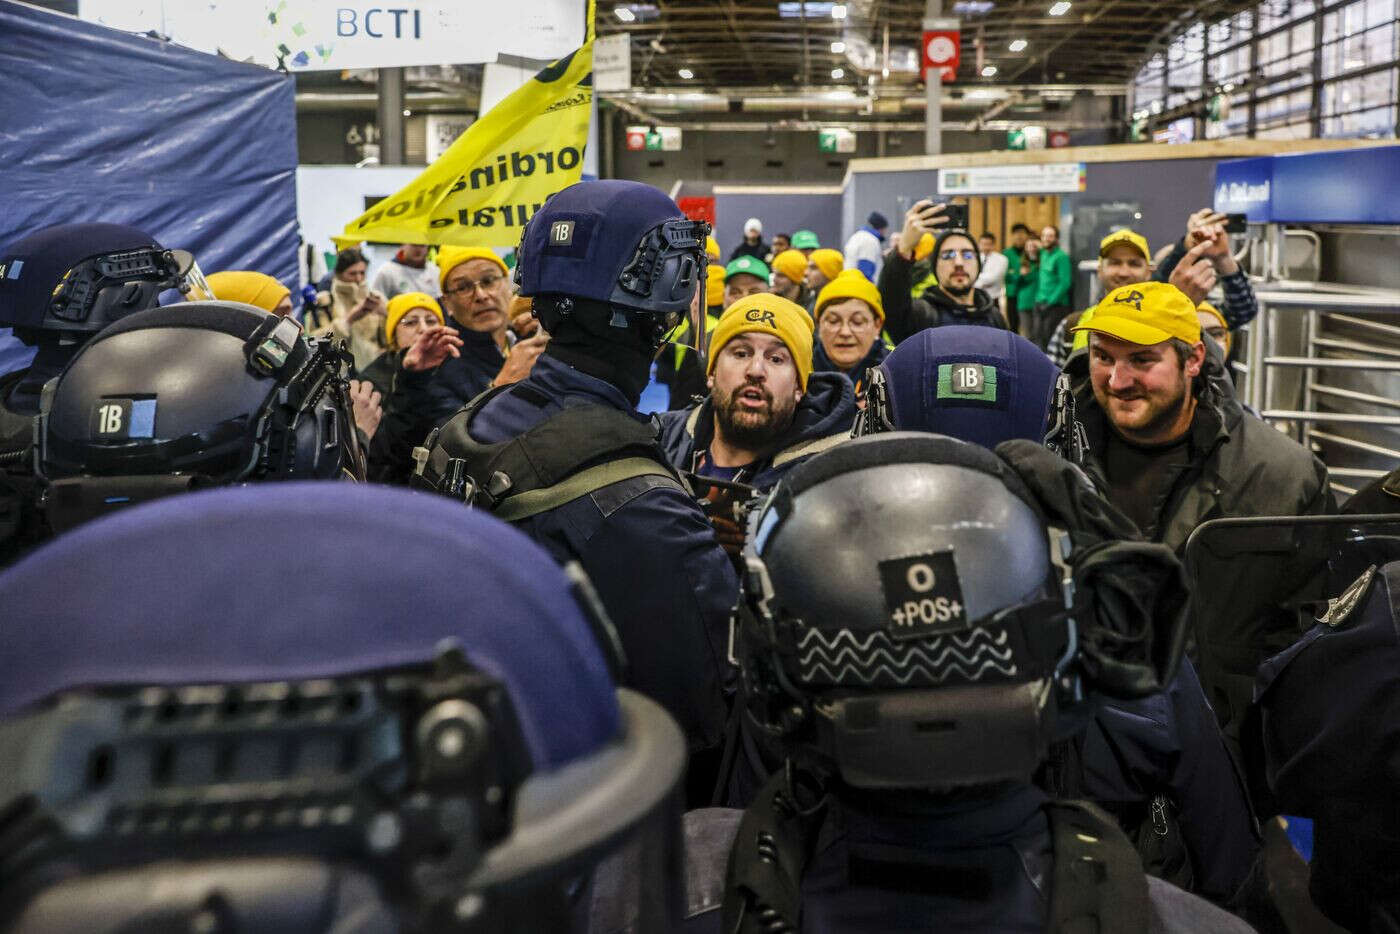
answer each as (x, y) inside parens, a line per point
(1169, 743)
(822, 419)
(648, 550)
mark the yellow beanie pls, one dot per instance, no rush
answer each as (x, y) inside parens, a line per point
(830, 262)
(450, 257)
(250, 288)
(714, 285)
(850, 284)
(712, 248)
(401, 305)
(791, 263)
(767, 313)
(924, 247)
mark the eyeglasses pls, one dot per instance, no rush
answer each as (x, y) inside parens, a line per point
(954, 254)
(833, 325)
(486, 285)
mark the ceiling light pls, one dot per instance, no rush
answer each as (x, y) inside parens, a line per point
(838, 47)
(624, 14)
(1018, 46)
(838, 73)
(686, 73)
(1228, 87)
(1060, 9)
(838, 11)
(408, 113)
(989, 72)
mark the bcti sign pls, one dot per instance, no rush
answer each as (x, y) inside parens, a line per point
(943, 50)
(636, 140)
(1059, 139)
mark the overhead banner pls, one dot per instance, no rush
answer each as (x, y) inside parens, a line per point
(331, 35)
(489, 183)
(612, 63)
(1057, 178)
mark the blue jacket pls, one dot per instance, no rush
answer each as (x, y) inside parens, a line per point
(650, 553)
(459, 380)
(821, 420)
(1170, 743)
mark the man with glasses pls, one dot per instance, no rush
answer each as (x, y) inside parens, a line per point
(451, 364)
(953, 299)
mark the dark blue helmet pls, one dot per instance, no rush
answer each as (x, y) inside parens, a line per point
(976, 384)
(618, 242)
(78, 278)
(209, 698)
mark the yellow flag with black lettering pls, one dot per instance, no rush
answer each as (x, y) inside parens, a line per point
(488, 184)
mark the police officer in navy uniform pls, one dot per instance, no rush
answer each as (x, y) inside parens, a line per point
(58, 287)
(1159, 764)
(610, 266)
(207, 726)
(915, 677)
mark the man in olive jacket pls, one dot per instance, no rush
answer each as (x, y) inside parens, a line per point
(1173, 448)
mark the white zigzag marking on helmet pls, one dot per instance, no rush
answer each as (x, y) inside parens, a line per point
(937, 677)
(844, 653)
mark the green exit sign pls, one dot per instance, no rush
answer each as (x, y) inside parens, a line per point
(1015, 139)
(826, 142)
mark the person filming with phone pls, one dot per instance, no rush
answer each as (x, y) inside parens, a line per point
(953, 299)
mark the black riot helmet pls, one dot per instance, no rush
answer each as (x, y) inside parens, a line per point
(912, 617)
(72, 280)
(191, 395)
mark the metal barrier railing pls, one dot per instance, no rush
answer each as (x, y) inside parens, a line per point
(1320, 360)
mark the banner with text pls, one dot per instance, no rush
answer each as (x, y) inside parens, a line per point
(489, 183)
(1058, 178)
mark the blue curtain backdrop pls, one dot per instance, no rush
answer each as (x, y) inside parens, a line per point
(101, 125)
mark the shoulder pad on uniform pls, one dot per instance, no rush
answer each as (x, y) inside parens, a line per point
(1339, 609)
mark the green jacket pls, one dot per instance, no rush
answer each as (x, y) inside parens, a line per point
(1013, 268)
(1025, 285)
(1056, 278)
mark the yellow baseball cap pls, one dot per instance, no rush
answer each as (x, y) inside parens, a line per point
(1147, 313)
(850, 284)
(791, 263)
(767, 313)
(1133, 239)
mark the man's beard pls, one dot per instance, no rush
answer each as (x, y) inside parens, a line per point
(958, 292)
(1161, 414)
(752, 429)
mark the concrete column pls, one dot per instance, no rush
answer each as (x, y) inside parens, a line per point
(933, 115)
(391, 116)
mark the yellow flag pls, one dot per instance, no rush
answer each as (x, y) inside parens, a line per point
(488, 184)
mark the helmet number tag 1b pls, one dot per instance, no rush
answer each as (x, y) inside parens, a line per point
(923, 596)
(122, 419)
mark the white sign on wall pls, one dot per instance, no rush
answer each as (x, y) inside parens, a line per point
(612, 62)
(330, 35)
(442, 132)
(1059, 178)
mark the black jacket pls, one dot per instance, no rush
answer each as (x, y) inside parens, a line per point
(758, 251)
(1239, 466)
(382, 370)
(906, 315)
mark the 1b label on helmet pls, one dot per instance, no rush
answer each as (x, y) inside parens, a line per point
(561, 233)
(923, 596)
(121, 419)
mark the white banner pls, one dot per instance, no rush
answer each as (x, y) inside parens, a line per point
(612, 63)
(1059, 178)
(331, 35)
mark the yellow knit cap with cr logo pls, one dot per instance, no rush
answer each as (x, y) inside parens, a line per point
(766, 313)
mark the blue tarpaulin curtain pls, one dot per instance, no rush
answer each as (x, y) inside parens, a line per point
(101, 125)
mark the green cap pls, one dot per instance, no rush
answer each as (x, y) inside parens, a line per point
(751, 265)
(805, 240)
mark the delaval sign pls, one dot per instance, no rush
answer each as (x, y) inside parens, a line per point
(1245, 186)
